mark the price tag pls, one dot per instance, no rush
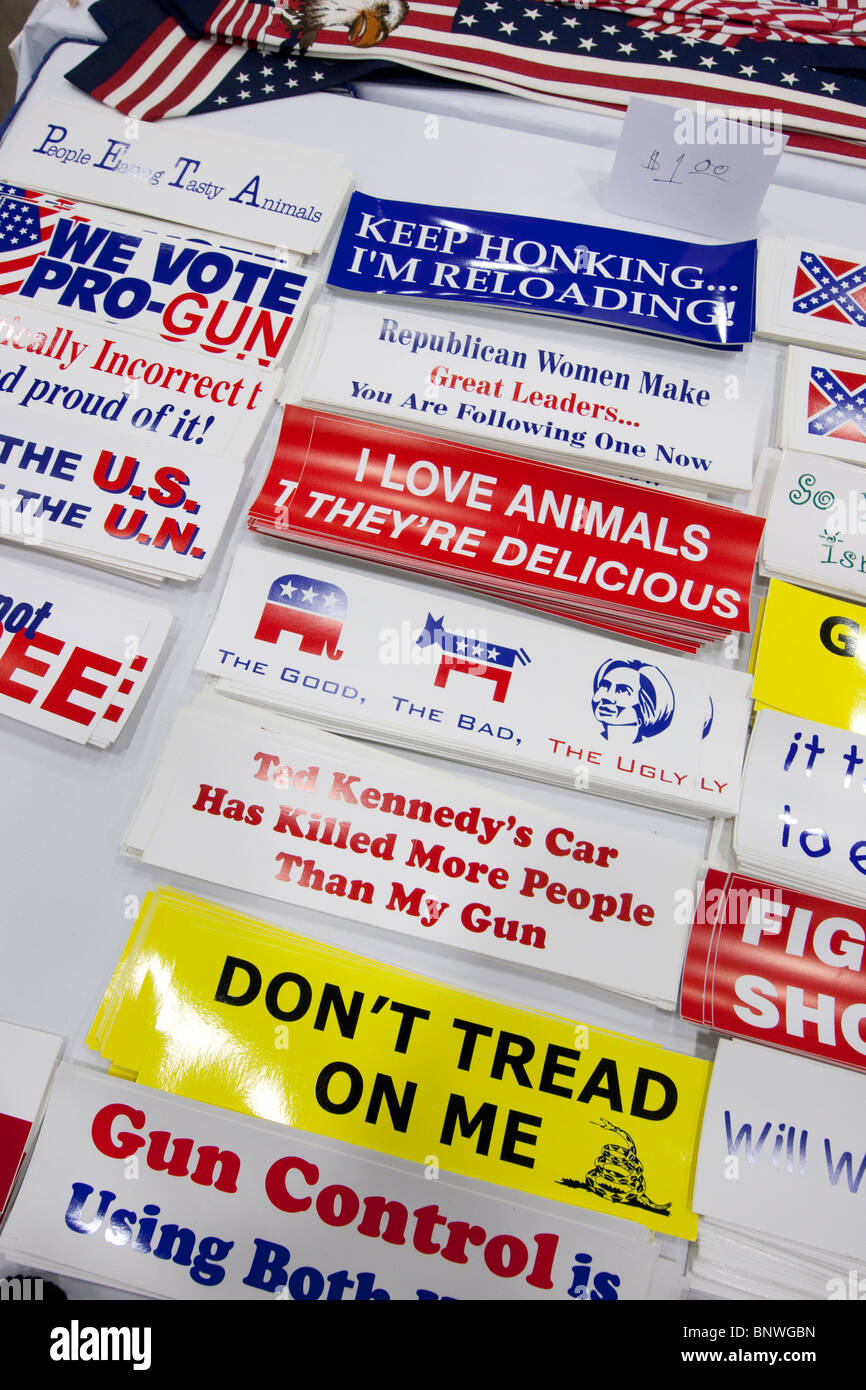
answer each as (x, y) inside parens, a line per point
(694, 166)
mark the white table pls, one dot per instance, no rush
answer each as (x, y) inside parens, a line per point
(68, 897)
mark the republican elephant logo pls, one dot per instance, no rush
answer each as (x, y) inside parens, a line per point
(312, 610)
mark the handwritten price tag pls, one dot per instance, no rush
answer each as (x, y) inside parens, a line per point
(694, 166)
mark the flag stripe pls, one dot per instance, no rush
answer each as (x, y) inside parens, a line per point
(808, 15)
(164, 67)
(533, 64)
(259, 23)
(677, 82)
(163, 39)
(558, 74)
(589, 55)
(209, 62)
(223, 17)
(242, 21)
(187, 100)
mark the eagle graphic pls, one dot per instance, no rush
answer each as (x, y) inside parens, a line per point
(367, 25)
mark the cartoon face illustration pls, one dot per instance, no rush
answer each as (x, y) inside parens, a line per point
(632, 696)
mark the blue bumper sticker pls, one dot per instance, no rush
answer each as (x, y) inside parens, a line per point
(702, 294)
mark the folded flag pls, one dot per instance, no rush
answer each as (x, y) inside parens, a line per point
(726, 23)
(152, 66)
(165, 58)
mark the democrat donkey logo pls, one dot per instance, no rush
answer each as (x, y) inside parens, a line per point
(472, 656)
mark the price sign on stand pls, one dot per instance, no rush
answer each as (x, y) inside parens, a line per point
(694, 166)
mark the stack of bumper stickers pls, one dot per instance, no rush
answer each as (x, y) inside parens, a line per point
(811, 656)
(287, 812)
(812, 293)
(27, 1061)
(71, 368)
(801, 814)
(559, 392)
(816, 519)
(128, 433)
(778, 966)
(649, 564)
(128, 507)
(701, 294)
(264, 191)
(801, 819)
(259, 1211)
(370, 1055)
(170, 285)
(823, 405)
(782, 1158)
(74, 659)
(563, 705)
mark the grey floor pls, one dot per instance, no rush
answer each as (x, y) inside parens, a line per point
(13, 13)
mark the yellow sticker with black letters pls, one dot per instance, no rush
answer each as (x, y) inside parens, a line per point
(812, 657)
(218, 1007)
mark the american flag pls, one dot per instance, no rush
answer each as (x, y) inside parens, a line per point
(596, 56)
(827, 287)
(256, 23)
(726, 22)
(837, 404)
(588, 54)
(152, 67)
(25, 226)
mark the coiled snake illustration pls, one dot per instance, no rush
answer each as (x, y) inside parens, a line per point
(618, 1175)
